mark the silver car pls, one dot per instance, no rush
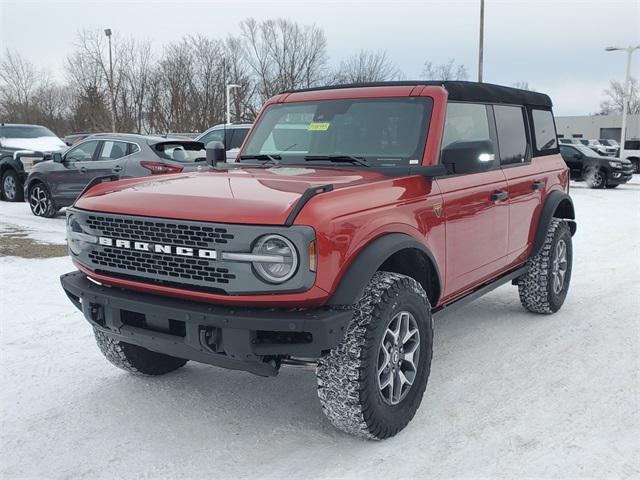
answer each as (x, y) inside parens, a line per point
(56, 183)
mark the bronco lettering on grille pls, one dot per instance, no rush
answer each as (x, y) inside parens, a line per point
(158, 248)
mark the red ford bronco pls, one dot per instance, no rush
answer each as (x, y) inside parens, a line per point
(353, 216)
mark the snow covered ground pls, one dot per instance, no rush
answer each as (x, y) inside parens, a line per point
(511, 394)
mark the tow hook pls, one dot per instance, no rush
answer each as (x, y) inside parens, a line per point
(96, 311)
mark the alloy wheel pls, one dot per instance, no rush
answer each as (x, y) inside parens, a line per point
(398, 357)
(10, 187)
(559, 267)
(39, 200)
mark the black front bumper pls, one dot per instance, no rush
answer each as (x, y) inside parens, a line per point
(250, 339)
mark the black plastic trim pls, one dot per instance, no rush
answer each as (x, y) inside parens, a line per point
(308, 194)
(554, 199)
(95, 180)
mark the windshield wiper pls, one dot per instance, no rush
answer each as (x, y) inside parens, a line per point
(338, 158)
(275, 159)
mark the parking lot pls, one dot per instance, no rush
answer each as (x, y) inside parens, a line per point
(511, 394)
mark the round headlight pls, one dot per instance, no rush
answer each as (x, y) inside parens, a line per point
(280, 258)
(77, 238)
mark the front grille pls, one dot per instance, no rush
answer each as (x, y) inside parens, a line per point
(169, 267)
(155, 231)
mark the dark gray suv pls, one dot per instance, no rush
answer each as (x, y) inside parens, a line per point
(56, 183)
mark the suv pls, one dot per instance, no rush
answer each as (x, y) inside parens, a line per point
(403, 202)
(21, 147)
(631, 152)
(56, 183)
(231, 135)
(598, 171)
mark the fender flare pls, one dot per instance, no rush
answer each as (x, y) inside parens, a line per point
(369, 260)
(558, 205)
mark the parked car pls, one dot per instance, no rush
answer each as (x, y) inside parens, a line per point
(597, 170)
(21, 147)
(601, 148)
(399, 203)
(56, 183)
(75, 137)
(610, 143)
(235, 135)
(631, 152)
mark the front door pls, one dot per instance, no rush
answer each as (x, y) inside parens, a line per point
(77, 162)
(475, 207)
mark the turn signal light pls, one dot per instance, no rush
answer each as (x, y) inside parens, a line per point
(313, 260)
(157, 168)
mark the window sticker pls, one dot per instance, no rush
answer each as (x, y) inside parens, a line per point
(318, 126)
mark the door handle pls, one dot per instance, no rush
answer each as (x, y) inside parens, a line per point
(83, 169)
(116, 169)
(538, 185)
(497, 196)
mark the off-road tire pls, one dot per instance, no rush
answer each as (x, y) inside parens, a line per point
(536, 286)
(348, 386)
(135, 359)
(40, 201)
(17, 195)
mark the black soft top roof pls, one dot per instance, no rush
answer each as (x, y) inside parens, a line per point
(460, 91)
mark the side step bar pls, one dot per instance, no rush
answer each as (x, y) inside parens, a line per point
(470, 297)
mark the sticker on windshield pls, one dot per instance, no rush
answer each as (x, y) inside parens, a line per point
(318, 126)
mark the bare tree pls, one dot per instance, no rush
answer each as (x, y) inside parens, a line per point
(614, 96)
(19, 82)
(283, 55)
(444, 71)
(367, 66)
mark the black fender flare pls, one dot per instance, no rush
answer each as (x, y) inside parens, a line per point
(559, 205)
(369, 260)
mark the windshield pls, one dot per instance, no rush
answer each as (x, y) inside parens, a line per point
(25, 131)
(181, 151)
(380, 131)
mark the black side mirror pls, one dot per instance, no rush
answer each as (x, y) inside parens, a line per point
(473, 156)
(216, 153)
(56, 157)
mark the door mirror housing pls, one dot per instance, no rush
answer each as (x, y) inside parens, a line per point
(216, 153)
(57, 157)
(472, 156)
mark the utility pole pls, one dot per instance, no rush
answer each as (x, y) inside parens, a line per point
(627, 93)
(107, 32)
(481, 42)
(229, 87)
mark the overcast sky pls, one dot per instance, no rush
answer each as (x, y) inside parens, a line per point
(556, 46)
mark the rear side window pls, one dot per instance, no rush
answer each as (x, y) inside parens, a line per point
(112, 150)
(213, 136)
(544, 130)
(512, 135)
(465, 122)
(238, 137)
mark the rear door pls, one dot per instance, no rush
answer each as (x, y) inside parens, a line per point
(110, 159)
(475, 206)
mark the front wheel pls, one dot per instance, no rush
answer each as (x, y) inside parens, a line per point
(544, 287)
(41, 202)
(371, 385)
(11, 187)
(597, 179)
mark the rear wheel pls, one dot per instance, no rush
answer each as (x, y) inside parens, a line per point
(544, 287)
(11, 186)
(371, 385)
(41, 202)
(135, 359)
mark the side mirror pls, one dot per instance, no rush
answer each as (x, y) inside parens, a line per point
(473, 156)
(56, 157)
(215, 153)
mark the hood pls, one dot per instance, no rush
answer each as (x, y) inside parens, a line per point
(40, 144)
(258, 196)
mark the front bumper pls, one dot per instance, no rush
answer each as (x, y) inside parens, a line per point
(238, 338)
(620, 176)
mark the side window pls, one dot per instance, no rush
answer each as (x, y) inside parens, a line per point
(567, 152)
(132, 148)
(544, 130)
(512, 135)
(465, 122)
(113, 150)
(237, 138)
(213, 136)
(82, 153)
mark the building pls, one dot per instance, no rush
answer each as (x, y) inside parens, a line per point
(597, 126)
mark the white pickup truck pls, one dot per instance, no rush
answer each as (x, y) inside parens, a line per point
(632, 153)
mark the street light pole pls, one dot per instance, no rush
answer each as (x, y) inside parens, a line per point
(107, 32)
(627, 93)
(229, 87)
(481, 42)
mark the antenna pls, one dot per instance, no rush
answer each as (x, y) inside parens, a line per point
(226, 92)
